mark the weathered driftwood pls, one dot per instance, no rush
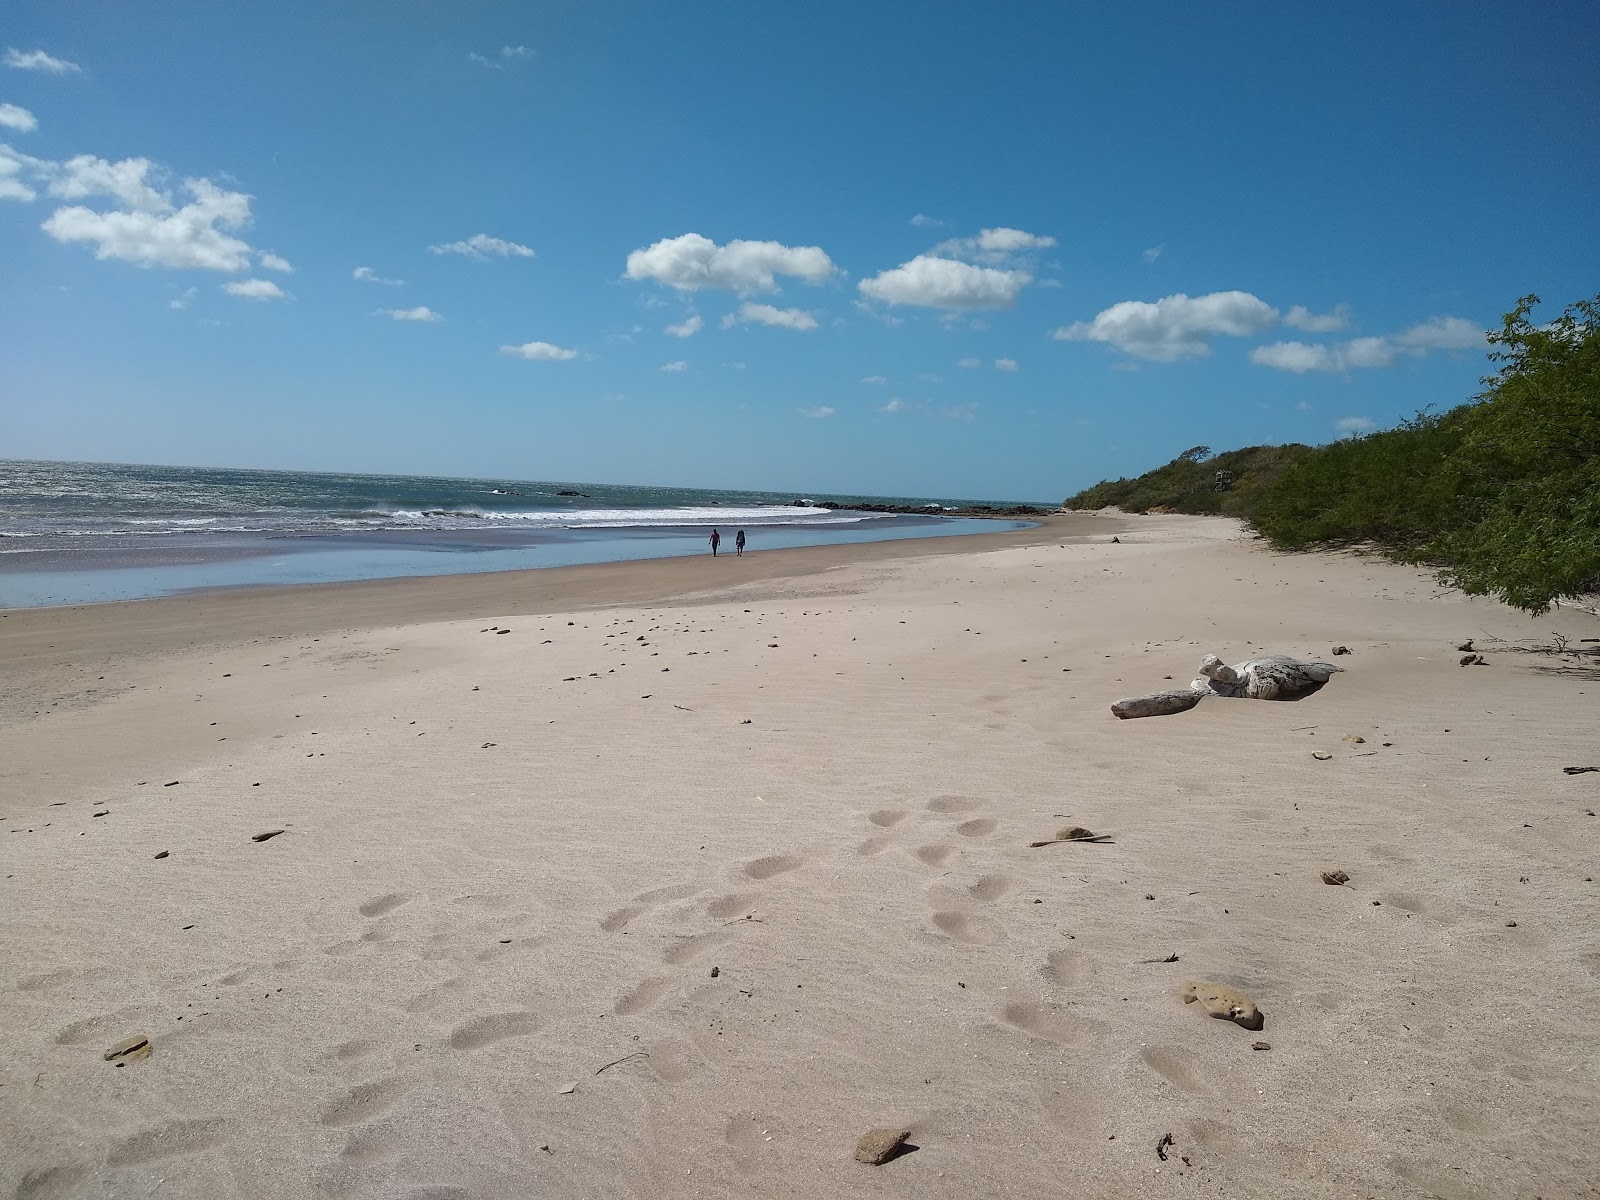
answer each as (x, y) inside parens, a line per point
(1271, 677)
(1157, 704)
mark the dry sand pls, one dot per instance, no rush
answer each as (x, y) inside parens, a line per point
(678, 892)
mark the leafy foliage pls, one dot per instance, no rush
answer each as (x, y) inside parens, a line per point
(1502, 495)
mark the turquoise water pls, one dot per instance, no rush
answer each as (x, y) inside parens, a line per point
(75, 533)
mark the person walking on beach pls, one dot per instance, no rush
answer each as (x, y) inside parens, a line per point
(716, 540)
(738, 543)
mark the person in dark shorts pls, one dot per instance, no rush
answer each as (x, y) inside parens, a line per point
(716, 540)
(738, 543)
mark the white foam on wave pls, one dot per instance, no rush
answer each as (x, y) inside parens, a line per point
(626, 518)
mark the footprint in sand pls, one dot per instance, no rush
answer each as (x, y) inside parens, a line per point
(433, 997)
(934, 856)
(485, 1031)
(166, 1141)
(672, 1062)
(642, 998)
(94, 1029)
(953, 804)
(364, 1101)
(52, 1183)
(1173, 1065)
(619, 919)
(1062, 967)
(352, 1050)
(644, 902)
(873, 845)
(775, 864)
(989, 888)
(1041, 1021)
(379, 905)
(886, 818)
(729, 908)
(977, 827)
(971, 930)
(370, 1145)
(690, 948)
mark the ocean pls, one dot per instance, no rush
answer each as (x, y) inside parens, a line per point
(73, 533)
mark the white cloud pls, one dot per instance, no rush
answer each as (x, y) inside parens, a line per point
(539, 352)
(368, 275)
(128, 181)
(1441, 333)
(474, 57)
(896, 405)
(1005, 364)
(930, 282)
(783, 318)
(272, 262)
(481, 245)
(1174, 326)
(38, 60)
(1153, 253)
(999, 247)
(817, 413)
(153, 234)
(689, 328)
(256, 289)
(962, 412)
(875, 379)
(680, 365)
(1301, 317)
(929, 377)
(969, 363)
(14, 116)
(182, 301)
(514, 52)
(14, 165)
(922, 221)
(420, 313)
(1352, 426)
(691, 262)
(1302, 406)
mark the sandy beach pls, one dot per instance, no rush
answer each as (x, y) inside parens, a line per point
(673, 878)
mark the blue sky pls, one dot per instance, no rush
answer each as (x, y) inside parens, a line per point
(930, 248)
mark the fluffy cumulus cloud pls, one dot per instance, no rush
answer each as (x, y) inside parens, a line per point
(818, 413)
(692, 263)
(1005, 364)
(689, 328)
(14, 116)
(17, 171)
(923, 221)
(1301, 317)
(256, 289)
(1152, 253)
(481, 246)
(1438, 333)
(368, 275)
(895, 405)
(1175, 326)
(999, 247)
(1354, 426)
(766, 314)
(149, 229)
(930, 282)
(38, 60)
(420, 313)
(1441, 333)
(539, 352)
(673, 367)
(273, 262)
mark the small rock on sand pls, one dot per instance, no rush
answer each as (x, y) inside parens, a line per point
(878, 1146)
(136, 1046)
(1321, 755)
(1353, 737)
(1341, 650)
(1335, 878)
(262, 837)
(1223, 1003)
(163, 854)
(1261, 1045)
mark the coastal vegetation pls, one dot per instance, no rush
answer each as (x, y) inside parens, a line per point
(1501, 495)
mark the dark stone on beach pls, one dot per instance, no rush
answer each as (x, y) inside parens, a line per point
(267, 836)
(498, 632)
(1341, 650)
(878, 1146)
(580, 495)
(1261, 1045)
(1116, 541)
(174, 783)
(715, 971)
(1466, 645)
(163, 854)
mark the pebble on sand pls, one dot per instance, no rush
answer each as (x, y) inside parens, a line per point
(878, 1146)
(1223, 1003)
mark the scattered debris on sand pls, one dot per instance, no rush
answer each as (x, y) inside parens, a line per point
(1072, 833)
(878, 1146)
(1335, 878)
(1270, 677)
(1223, 1003)
(267, 836)
(129, 1048)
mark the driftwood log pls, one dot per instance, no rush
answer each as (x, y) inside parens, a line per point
(1270, 677)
